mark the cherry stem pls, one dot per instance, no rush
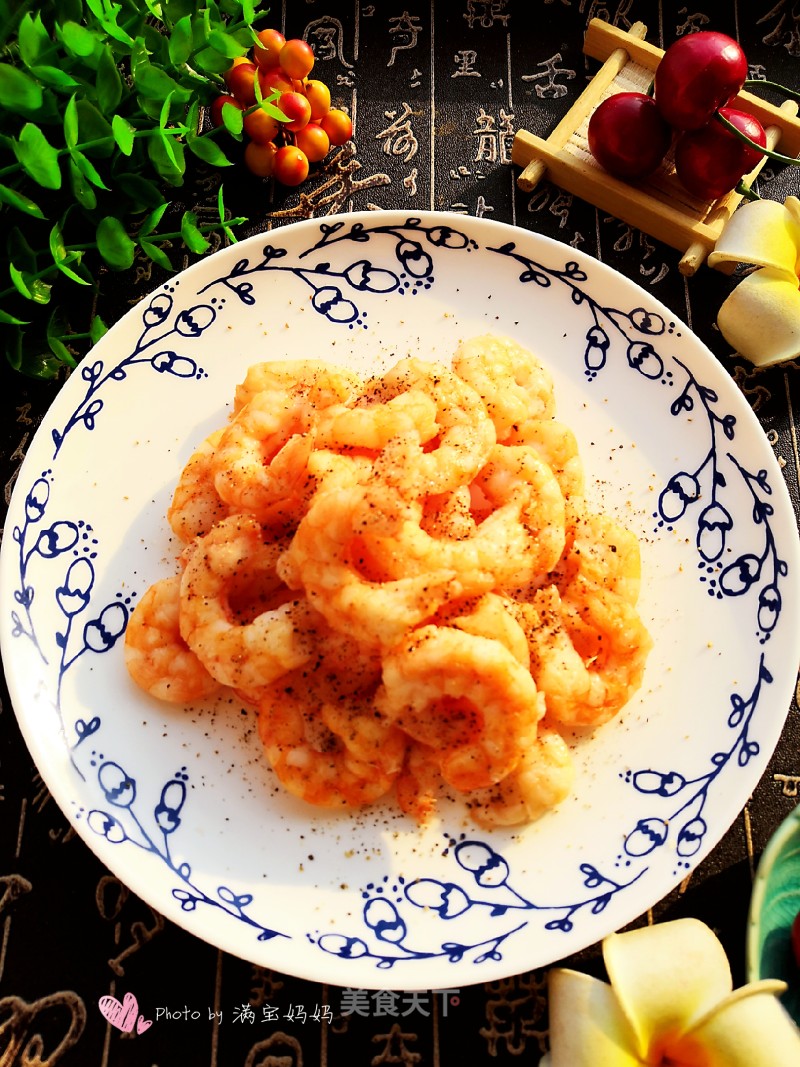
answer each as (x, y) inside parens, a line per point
(746, 192)
(762, 82)
(754, 144)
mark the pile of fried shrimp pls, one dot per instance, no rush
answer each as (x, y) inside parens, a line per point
(400, 575)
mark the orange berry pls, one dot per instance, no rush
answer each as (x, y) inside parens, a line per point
(297, 58)
(319, 96)
(239, 80)
(313, 140)
(218, 104)
(338, 126)
(290, 166)
(266, 52)
(296, 108)
(261, 127)
(260, 158)
(273, 79)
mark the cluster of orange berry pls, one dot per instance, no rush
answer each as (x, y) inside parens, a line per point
(278, 72)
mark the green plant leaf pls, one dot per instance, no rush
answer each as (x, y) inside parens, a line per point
(32, 288)
(114, 244)
(78, 39)
(156, 254)
(167, 156)
(124, 134)
(11, 320)
(81, 188)
(19, 89)
(95, 127)
(108, 82)
(71, 123)
(233, 119)
(32, 38)
(143, 193)
(63, 259)
(177, 9)
(88, 169)
(209, 61)
(180, 41)
(209, 151)
(155, 84)
(226, 44)
(192, 237)
(55, 77)
(37, 157)
(97, 329)
(152, 220)
(16, 199)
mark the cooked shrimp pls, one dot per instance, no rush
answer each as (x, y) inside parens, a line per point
(542, 780)
(196, 504)
(512, 383)
(522, 536)
(157, 657)
(588, 651)
(326, 560)
(491, 615)
(315, 378)
(558, 447)
(464, 696)
(242, 653)
(372, 425)
(465, 433)
(322, 735)
(419, 783)
(602, 551)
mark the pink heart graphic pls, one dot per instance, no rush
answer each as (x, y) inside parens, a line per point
(123, 1015)
(143, 1024)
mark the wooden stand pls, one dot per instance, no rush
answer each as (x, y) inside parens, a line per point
(658, 205)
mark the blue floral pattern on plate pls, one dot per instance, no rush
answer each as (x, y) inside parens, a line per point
(472, 910)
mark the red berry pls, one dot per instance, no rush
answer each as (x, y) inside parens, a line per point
(628, 136)
(290, 165)
(710, 161)
(698, 74)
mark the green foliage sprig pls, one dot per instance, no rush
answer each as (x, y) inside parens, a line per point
(100, 102)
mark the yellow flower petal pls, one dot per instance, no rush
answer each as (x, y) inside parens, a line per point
(750, 1028)
(666, 977)
(587, 1027)
(761, 318)
(765, 233)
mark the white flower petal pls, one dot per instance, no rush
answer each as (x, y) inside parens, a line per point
(761, 318)
(587, 1027)
(750, 1028)
(763, 232)
(666, 977)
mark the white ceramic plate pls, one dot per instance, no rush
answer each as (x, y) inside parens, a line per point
(181, 806)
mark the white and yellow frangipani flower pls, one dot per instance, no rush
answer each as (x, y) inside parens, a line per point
(761, 317)
(670, 1003)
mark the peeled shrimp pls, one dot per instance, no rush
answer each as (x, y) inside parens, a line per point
(372, 425)
(320, 729)
(325, 560)
(465, 432)
(602, 551)
(196, 504)
(157, 657)
(243, 653)
(464, 696)
(588, 651)
(317, 379)
(512, 383)
(542, 780)
(558, 447)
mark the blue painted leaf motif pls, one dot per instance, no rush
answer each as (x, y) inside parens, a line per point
(680, 491)
(592, 878)
(453, 951)
(244, 290)
(188, 901)
(647, 835)
(487, 866)
(564, 924)
(167, 812)
(490, 954)
(240, 267)
(58, 538)
(445, 898)
(85, 729)
(740, 575)
(118, 787)
(446, 237)
(238, 900)
(36, 500)
(748, 750)
(347, 948)
(107, 826)
(714, 524)
(690, 837)
(649, 322)
(600, 904)
(74, 595)
(729, 426)
(383, 918)
(661, 783)
(102, 633)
